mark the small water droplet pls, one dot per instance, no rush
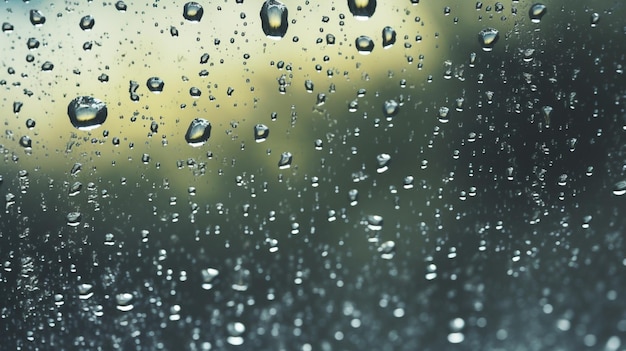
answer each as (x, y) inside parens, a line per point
(192, 11)
(198, 132)
(121, 6)
(124, 301)
(364, 45)
(285, 160)
(85, 291)
(390, 108)
(26, 142)
(309, 86)
(261, 132)
(536, 12)
(383, 161)
(362, 9)
(594, 19)
(389, 37)
(47, 66)
(274, 19)
(73, 219)
(620, 188)
(375, 222)
(443, 114)
(387, 250)
(155, 84)
(488, 38)
(209, 276)
(7, 27)
(87, 112)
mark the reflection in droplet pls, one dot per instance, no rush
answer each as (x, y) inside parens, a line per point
(155, 84)
(192, 11)
(389, 37)
(37, 18)
(362, 9)
(285, 160)
(390, 108)
(274, 19)
(261, 132)
(536, 12)
(364, 45)
(26, 142)
(488, 38)
(73, 219)
(87, 23)
(32, 43)
(198, 132)
(87, 112)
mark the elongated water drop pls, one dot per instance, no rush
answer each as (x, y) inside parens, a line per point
(274, 20)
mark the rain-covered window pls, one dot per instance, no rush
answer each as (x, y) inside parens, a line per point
(312, 175)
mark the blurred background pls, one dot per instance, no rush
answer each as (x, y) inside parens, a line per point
(440, 191)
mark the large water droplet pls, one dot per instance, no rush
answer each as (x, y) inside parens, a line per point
(198, 132)
(595, 18)
(87, 23)
(261, 132)
(285, 160)
(362, 9)
(87, 112)
(364, 45)
(274, 19)
(536, 12)
(488, 38)
(37, 18)
(192, 11)
(155, 84)
(389, 37)
(390, 108)
(124, 301)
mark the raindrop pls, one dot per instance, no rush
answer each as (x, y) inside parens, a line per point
(595, 18)
(155, 84)
(235, 330)
(443, 114)
(389, 37)
(330, 39)
(37, 18)
(362, 9)
(364, 45)
(192, 11)
(387, 250)
(121, 6)
(274, 20)
(87, 23)
(308, 85)
(124, 301)
(7, 27)
(32, 43)
(383, 161)
(195, 92)
(208, 278)
(30, 123)
(261, 132)
(547, 111)
(85, 291)
(17, 106)
(26, 142)
(198, 132)
(47, 66)
(390, 108)
(73, 219)
(375, 222)
(536, 12)
(620, 188)
(488, 38)
(285, 160)
(87, 112)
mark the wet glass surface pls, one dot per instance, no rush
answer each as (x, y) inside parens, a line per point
(439, 175)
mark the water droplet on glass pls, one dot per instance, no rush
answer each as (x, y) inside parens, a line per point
(389, 37)
(73, 219)
(37, 18)
(87, 23)
(30, 123)
(235, 331)
(364, 45)
(362, 9)
(87, 112)
(620, 188)
(192, 11)
(47, 66)
(595, 18)
(375, 222)
(390, 108)
(155, 84)
(121, 6)
(261, 132)
(209, 276)
(85, 291)
(32, 43)
(383, 161)
(274, 20)
(387, 250)
(443, 114)
(26, 142)
(198, 132)
(308, 85)
(124, 301)
(488, 38)
(536, 12)
(547, 111)
(285, 160)
(7, 27)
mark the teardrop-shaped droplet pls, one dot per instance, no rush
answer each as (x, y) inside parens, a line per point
(536, 12)
(192, 11)
(261, 132)
(362, 9)
(87, 112)
(274, 20)
(488, 38)
(389, 37)
(37, 18)
(87, 23)
(198, 132)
